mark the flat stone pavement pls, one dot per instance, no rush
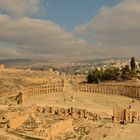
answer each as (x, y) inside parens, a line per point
(98, 103)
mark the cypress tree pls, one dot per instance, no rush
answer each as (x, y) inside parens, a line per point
(133, 64)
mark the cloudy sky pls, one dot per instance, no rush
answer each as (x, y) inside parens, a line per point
(69, 29)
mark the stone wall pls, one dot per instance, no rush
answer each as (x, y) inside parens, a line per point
(73, 113)
(115, 89)
(47, 80)
(47, 122)
(17, 121)
(18, 97)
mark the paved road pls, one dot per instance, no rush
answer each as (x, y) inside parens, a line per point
(69, 91)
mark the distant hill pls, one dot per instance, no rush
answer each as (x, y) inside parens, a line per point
(22, 62)
(27, 63)
(93, 61)
(33, 63)
(15, 62)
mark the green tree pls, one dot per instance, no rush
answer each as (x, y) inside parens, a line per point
(94, 76)
(139, 66)
(97, 76)
(133, 64)
(90, 77)
(111, 74)
(126, 73)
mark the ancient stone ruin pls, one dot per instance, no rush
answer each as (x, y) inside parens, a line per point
(125, 115)
(114, 89)
(43, 122)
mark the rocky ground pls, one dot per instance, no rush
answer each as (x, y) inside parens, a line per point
(102, 104)
(102, 131)
(98, 103)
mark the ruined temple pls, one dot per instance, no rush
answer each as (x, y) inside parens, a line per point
(121, 114)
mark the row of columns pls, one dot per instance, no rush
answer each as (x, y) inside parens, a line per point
(58, 88)
(131, 91)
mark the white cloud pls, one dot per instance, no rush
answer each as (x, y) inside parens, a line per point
(18, 8)
(36, 38)
(116, 28)
(41, 39)
(116, 31)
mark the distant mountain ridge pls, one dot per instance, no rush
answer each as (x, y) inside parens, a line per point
(20, 62)
(35, 62)
(102, 59)
(12, 62)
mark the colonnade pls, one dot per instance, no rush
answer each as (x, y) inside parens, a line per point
(44, 89)
(118, 89)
